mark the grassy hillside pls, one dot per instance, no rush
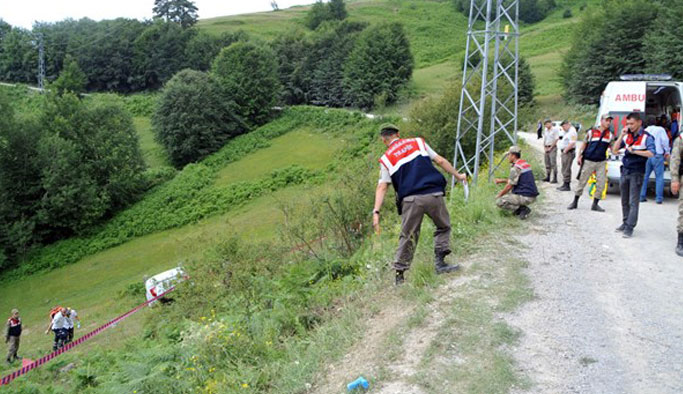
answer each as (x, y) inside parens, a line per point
(103, 284)
(97, 283)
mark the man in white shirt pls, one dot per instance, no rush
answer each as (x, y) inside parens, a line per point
(567, 147)
(58, 325)
(551, 136)
(71, 317)
(656, 163)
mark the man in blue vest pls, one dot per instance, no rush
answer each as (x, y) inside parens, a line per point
(638, 146)
(420, 188)
(520, 190)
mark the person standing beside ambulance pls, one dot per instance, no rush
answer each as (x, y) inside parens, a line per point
(567, 146)
(551, 136)
(638, 146)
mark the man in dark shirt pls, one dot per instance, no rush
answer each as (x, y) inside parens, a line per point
(638, 146)
(592, 158)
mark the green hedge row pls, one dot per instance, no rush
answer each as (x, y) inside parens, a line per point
(192, 195)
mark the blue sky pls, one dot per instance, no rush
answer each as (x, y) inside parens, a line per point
(24, 12)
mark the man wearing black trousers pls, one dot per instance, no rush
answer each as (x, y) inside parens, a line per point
(638, 146)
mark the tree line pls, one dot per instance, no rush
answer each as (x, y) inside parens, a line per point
(623, 37)
(71, 162)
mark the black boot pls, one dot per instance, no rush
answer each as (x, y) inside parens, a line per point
(399, 278)
(596, 207)
(565, 187)
(524, 213)
(679, 247)
(547, 178)
(575, 203)
(440, 265)
(554, 178)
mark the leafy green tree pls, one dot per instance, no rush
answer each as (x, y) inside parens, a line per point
(20, 186)
(608, 43)
(107, 143)
(194, 118)
(18, 57)
(337, 9)
(247, 74)
(663, 45)
(318, 14)
(71, 79)
(324, 66)
(526, 83)
(291, 51)
(159, 53)
(183, 12)
(321, 12)
(4, 29)
(204, 47)
(108, 55)
(380, 64)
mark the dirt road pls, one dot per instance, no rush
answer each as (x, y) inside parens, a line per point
(608, 313)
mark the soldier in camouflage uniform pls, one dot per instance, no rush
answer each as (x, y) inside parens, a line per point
(520, 188)
(675, 166)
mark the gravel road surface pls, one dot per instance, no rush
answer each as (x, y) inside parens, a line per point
(608, 316)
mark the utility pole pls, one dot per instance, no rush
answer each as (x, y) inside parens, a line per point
(488, 93)
(41, 63)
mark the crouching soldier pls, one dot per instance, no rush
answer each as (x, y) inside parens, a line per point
(520, 190)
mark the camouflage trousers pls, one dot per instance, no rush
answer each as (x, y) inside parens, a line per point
(511, 202)
(680, 211)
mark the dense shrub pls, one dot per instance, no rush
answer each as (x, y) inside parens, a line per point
(247, 74)
(380, 63)
(193, 120)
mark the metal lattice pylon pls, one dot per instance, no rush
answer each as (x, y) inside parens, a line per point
(488, 93)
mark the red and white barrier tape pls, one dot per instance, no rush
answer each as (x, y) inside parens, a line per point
(24, 370)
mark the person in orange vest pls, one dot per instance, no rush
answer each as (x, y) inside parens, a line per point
(520, 190)
(420, 188)
(13, 335)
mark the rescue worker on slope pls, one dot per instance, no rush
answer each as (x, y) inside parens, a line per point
(520, 190)
(420, 188)
(676, 173)
(58, 325)
(591, 159)
(12, 336)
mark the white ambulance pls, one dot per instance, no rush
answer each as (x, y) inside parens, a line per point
(159, 283)
(651, 95)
